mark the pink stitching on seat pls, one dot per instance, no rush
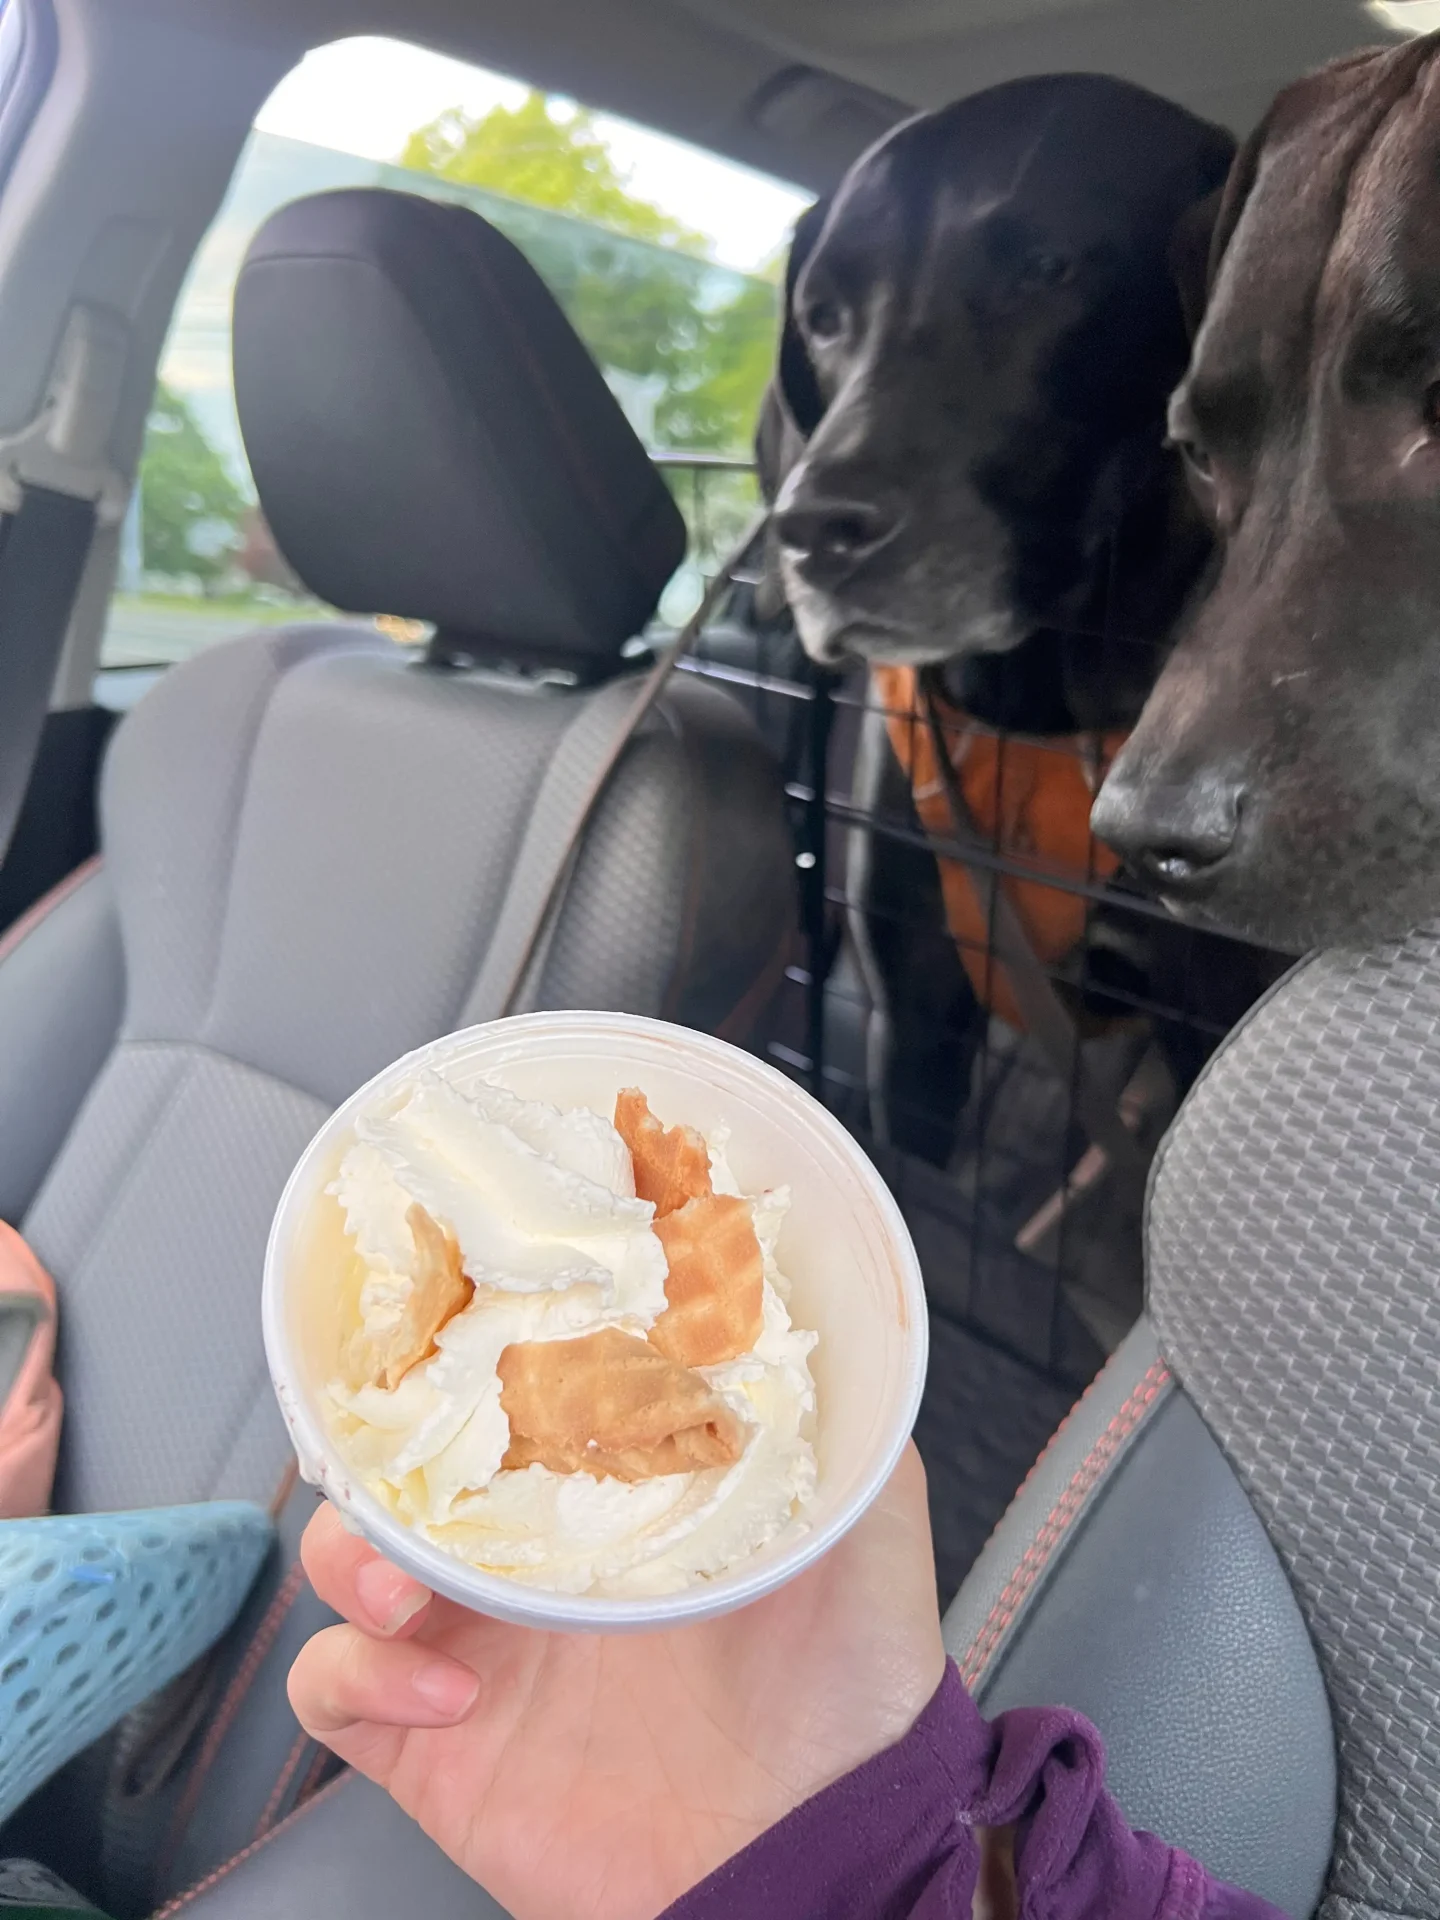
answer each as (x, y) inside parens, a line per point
(1060, 1519)
(265, 1637)
(286, 1487)
(277, 1792)
(314, 1776)
(20, 930)
(191, 1894)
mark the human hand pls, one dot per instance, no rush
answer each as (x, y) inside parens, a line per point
(589, 1777)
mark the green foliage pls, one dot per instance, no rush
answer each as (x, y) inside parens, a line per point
(714, 401)
(656, 312)
(532, 154)
(190, 508)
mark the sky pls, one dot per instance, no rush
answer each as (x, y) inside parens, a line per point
(366, 97)
(1414, 16)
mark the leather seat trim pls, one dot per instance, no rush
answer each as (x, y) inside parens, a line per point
(1056, 1525)
(1017, 1561)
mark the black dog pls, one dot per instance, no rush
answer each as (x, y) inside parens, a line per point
(964, 444)
(1285, 775)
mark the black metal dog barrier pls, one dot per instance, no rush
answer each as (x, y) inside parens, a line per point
(1013, 1108)
(1029, 1231)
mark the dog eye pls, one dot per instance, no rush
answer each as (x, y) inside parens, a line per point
(1045, 269)
(1194, 456)
(824, 320)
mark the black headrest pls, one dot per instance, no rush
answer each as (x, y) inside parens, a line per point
(430, 439)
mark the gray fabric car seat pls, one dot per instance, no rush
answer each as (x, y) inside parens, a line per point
(307, 837)
(1229, 1555)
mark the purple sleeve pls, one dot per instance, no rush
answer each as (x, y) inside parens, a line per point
(893, 1839)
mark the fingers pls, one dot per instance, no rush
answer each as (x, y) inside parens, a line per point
(342, 1681)
(351, 1577)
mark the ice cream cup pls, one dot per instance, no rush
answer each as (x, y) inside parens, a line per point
(853, 1270)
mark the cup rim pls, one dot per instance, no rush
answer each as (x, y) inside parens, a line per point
(512, 1600)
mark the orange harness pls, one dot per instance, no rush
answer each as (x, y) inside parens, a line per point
(1031, 800)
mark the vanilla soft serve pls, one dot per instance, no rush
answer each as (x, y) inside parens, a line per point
(541, 1204)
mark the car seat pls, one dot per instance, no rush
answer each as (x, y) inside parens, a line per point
(309, 836)
(1227, 1557)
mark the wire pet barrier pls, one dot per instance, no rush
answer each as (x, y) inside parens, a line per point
(1012, 1098)
(1029, 1100)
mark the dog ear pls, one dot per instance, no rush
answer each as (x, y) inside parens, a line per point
(1190, 257)
(792, 406)
(795, 374)
(790, 410)
(1202, 193)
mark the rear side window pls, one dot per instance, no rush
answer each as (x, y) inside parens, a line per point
(11, 29)
(27, 58)
(685, 339)
(9, 45)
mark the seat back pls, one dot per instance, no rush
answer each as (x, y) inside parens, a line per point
(1295, 1289)
(308, 835)
(1228, 1557)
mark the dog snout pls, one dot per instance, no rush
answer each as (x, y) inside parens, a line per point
(826, 537)
(1177, 835)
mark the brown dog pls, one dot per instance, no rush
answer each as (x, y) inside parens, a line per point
(1285, 775)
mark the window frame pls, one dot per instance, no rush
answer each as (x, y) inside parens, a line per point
(31, 68)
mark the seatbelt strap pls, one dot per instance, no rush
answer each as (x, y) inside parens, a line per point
(44, 544)
(586, 755)
(1045, 1013)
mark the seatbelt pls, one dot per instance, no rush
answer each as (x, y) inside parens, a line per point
(585, 757)
(43, 549)
(1044, 1011)
(56, 486)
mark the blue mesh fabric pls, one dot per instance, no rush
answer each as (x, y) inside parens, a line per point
(98, 1610)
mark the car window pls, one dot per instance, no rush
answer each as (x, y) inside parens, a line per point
(27, 45)
(684, 340)
(9, 44)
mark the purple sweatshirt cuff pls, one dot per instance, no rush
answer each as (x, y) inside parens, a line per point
(893, 1840)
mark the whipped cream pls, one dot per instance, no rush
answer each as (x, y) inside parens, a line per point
(541, 1203)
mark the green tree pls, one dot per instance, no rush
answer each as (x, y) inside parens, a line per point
(715, 405)
(534, 153)
(190, 507)
(632, 279)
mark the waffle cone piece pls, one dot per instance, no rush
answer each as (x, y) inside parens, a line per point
(609, 1403)
(716, 1284)
(672, 1164)
(438, 1290)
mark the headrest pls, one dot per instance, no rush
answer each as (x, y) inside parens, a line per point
(430, 439)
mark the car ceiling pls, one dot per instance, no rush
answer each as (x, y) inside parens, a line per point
(1225, 58)
(797, 87)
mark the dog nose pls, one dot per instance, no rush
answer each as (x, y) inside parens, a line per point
(1176, 836)
(828, 537)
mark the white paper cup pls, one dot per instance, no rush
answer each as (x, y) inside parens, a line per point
(853, 1271)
